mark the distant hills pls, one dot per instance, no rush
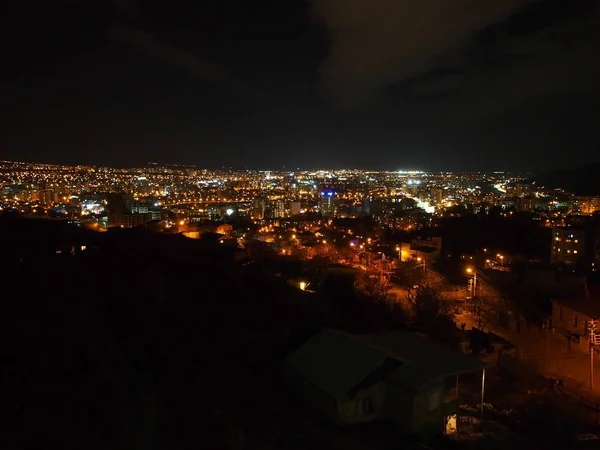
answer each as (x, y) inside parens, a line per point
(580, 180)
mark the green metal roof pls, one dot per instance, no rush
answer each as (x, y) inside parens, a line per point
(336, 361)
(424, 360)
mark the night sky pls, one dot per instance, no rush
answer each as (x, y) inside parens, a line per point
(383, 84)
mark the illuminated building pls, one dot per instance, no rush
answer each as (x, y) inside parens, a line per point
(437, 195)
(47, 196)
(525, 204)
(568, 245)
(121, 212)
(295, 208)
(259, 208)
(128, 220)
(279, 210)
(327, 204)
(589, 205)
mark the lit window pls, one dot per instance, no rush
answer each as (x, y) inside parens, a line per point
(576, 241)
(574, 251)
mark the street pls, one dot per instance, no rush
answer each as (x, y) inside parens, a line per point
(547, 352)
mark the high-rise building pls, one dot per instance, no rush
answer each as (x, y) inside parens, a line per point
(295, 208)
(411, 188)
(519, 190)
(327, 204)
(259, 207)
(437, 195)
(279, 210)
(525, 204)
(366, 205)
(47, 196)
(121, 212)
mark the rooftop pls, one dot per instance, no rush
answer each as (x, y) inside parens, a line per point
(337, 362)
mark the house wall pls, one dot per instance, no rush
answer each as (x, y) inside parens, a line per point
(399, 406)
(428, 411)
(324, 404)
(365, 405)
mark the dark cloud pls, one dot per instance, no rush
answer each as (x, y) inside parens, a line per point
(377, 43)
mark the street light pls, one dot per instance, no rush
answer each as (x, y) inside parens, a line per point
(501, 258)
(473, 271)
(303, 285)
(399, 250)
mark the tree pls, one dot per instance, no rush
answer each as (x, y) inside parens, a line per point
(378, 281)
(430, 312)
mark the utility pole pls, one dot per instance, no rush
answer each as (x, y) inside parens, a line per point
(419, 259)
(482, 390)
(592, 329)
(473, 283)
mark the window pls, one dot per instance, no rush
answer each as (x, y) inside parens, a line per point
(574, 251)
(368, 405)
(435, 400)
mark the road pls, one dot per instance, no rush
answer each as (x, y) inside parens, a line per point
(549, 353)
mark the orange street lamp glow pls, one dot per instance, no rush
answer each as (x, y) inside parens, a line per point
(469, 270)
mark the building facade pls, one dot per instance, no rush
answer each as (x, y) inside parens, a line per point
(568, 245)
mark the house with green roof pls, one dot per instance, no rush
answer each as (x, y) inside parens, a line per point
(397, 376)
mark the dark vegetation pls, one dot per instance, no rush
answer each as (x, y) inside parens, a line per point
(153, 341)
